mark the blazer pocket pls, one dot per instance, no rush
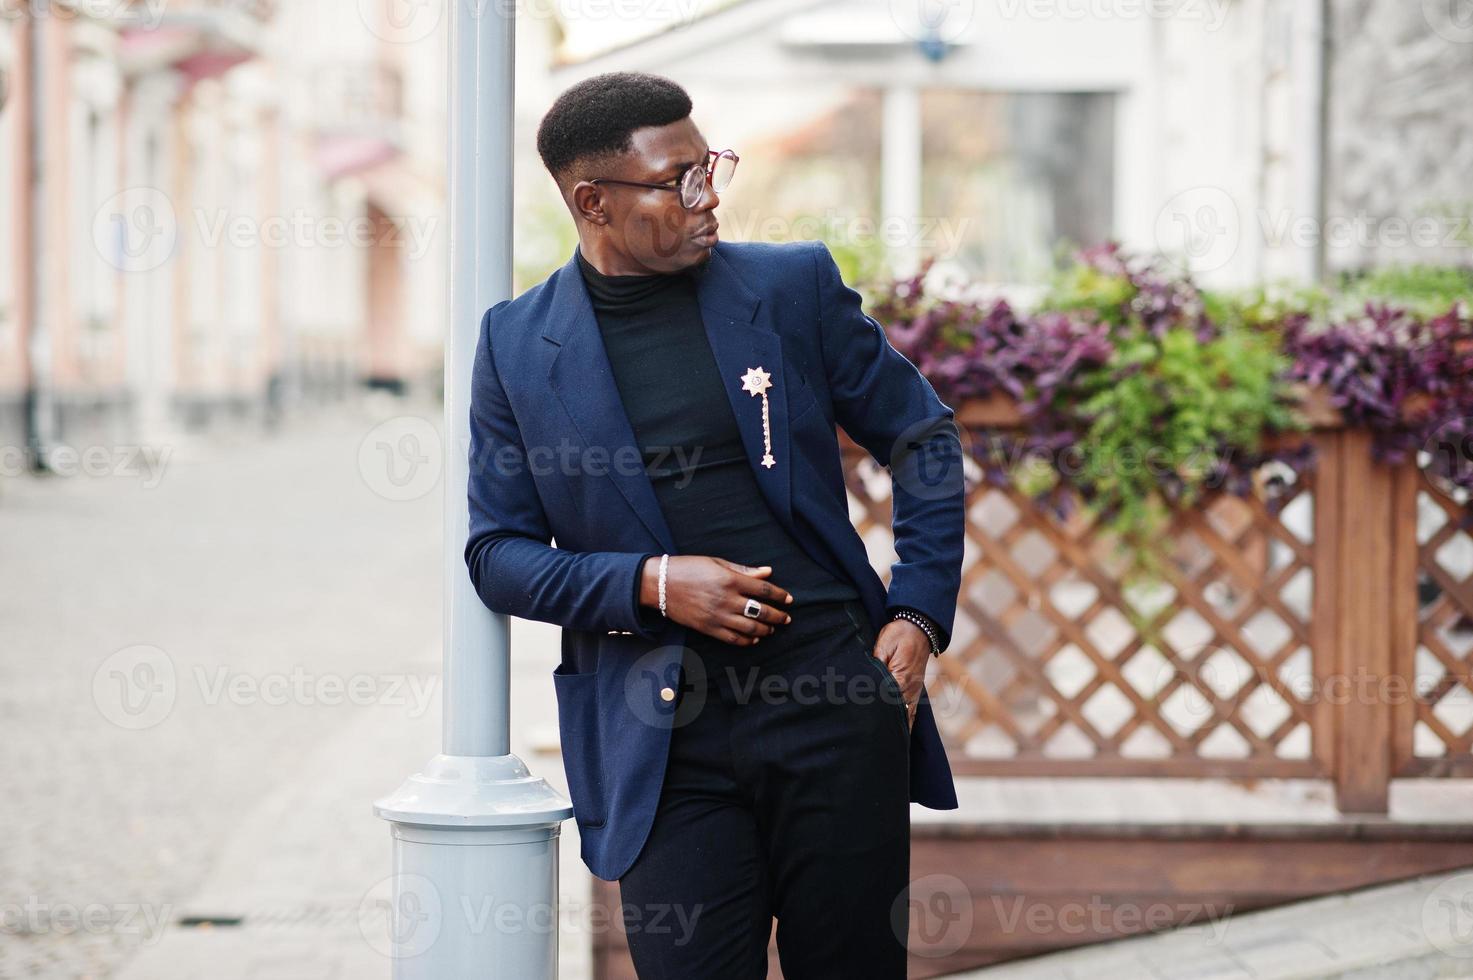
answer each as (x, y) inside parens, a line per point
(801, 399)
(578, 730)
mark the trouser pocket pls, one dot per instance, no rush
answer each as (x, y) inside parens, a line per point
(890, 691)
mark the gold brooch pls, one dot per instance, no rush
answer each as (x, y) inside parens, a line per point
(756, 382)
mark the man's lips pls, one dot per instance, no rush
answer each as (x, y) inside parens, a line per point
(706, 237)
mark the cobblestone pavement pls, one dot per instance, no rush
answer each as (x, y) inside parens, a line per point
(180, 643)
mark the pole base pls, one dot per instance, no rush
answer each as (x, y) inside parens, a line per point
(474, 887)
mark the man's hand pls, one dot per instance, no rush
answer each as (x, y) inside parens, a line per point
(708, 593)
(905, 649)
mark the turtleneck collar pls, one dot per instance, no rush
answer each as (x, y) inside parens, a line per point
(626, 292)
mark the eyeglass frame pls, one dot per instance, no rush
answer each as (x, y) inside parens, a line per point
(679, 183)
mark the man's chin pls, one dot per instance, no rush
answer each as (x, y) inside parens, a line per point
(702, 259)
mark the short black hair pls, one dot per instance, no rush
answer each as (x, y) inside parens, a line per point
(596, 117)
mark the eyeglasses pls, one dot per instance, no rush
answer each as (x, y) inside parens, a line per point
(692, 183)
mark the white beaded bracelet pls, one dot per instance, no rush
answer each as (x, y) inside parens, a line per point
(664, 563)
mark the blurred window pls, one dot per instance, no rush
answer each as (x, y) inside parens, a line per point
(9, 174)
(1016, 175)
(93, 155)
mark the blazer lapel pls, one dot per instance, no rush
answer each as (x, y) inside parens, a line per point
(582, 379)
(727, 309)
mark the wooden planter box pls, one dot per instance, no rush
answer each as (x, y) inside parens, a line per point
(1377, 592)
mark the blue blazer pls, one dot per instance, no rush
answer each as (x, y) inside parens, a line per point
(553, 457)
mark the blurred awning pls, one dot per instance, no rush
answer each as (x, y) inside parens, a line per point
(395, 189)
(347, 155)
(358, 117)
(200, 43)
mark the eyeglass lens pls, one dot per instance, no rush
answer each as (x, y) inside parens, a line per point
(694, 184)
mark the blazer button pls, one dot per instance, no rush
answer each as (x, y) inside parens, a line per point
(668, 693)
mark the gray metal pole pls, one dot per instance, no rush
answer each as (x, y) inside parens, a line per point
(475, 835)
(40, 405)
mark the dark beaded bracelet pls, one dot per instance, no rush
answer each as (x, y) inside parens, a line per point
(923, 623)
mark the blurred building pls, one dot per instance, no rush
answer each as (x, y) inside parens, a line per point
(221, 208)
(1254, 139)
(212, 208)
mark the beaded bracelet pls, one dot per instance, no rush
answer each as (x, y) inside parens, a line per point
(923, 623)
(664, 563)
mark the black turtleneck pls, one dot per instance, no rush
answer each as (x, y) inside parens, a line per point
(692, 449)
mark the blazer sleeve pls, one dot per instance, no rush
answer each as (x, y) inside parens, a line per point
(887, 406)
(508, 549)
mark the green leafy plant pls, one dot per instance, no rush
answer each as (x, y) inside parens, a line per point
(1136, 398)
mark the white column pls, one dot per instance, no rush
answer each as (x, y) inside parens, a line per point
(900, 175)
(148, 298)
(474, 833)
(1308, 67)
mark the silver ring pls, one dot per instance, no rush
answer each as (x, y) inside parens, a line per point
(752, 609)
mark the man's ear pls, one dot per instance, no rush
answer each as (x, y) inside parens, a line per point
(588, 203)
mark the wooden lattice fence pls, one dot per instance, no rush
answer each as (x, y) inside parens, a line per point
(1327, 635)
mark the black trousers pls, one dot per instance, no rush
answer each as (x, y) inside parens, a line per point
(786, 795)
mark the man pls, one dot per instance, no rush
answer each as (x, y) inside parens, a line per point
(740, 698)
